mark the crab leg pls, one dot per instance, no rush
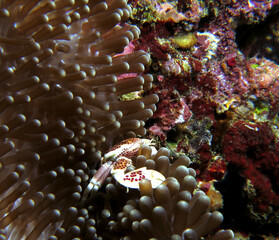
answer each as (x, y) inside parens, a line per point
(98, 179)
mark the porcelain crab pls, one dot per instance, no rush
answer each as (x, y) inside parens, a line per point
(116, 161)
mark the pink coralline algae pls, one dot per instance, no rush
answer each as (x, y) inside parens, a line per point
(171, 110)
(227, 73)
(264, 78)
(254, 150)
(213, 168)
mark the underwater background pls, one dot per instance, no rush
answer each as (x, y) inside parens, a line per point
(99, 91)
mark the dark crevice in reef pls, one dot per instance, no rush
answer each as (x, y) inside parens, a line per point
(234, 202)
(236, 214)
(260, 40)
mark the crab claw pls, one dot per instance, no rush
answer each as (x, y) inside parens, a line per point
(132, 179)
(98, 179)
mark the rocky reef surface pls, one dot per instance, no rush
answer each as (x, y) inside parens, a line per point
(215, 66)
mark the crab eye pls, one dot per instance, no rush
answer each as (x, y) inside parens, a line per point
(132, 179)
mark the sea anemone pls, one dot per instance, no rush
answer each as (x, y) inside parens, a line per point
(60, 68)
(173, 210)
